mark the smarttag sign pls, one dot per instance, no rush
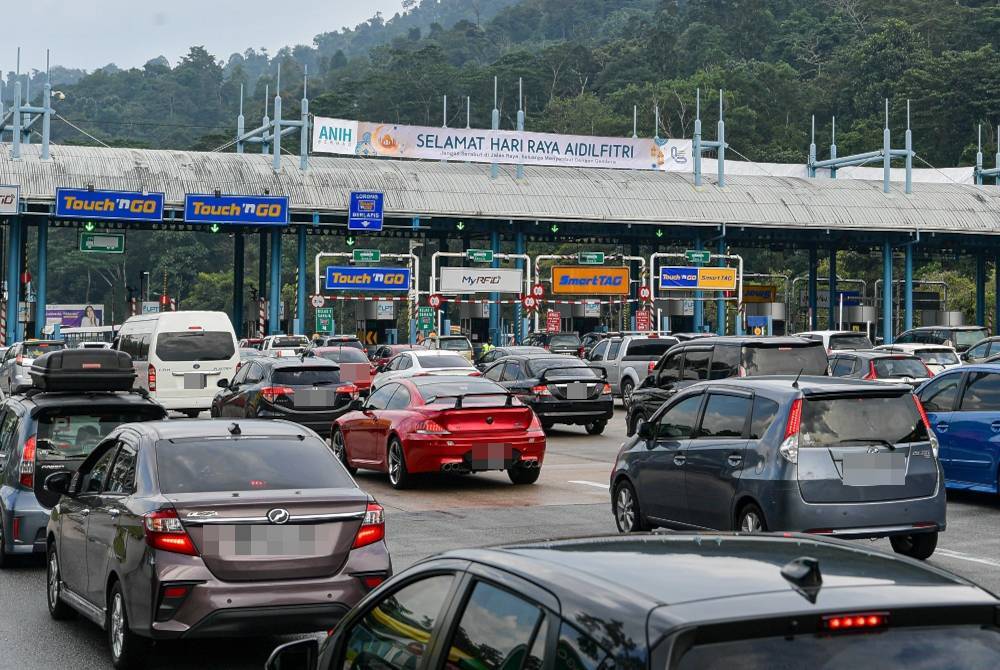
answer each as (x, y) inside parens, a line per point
(81, 203)
(713, 279)
(250, 210)
(366, 212)
(350, 278)
(575, 280)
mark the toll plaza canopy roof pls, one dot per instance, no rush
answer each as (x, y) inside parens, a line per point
(465, 190)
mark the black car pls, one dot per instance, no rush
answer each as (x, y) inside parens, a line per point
(880, 365)
(306, 390)
(675, 602)
(496, 353)
(561, 389)
(557, 343)
(721, 358)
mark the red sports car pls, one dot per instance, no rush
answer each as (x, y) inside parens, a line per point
(441, 424)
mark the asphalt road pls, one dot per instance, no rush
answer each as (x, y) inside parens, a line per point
(441, 513)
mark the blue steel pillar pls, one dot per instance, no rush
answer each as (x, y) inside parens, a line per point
(720, 303)
(300, 302)
(262, 268)
(495, 297)
(996, 294)
(886, 292)
(13, 277)
(41, 286)
(238, 273)
(699, 307)
(980, 289)
(908, 287)
(834, 310)
(813, 261)
(274, 308)
(519, 322)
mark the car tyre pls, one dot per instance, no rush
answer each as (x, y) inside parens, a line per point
(547, 426)
(399, 476)
(596, 427)
(58, 610)
(750, 519)
(919, 546)
(625, 506)
(213, 412)
(128, 650)
(632, 424)
(523, 476)
(340, 450)
(627, 388)
(192, 413)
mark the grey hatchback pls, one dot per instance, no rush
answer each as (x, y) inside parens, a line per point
(826, 456)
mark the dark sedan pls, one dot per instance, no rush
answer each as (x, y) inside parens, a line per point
(496, 353)
(677, 602)
(306, 390)
(561, 389)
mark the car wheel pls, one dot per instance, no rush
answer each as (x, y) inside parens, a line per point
(58, 610)
(521, 475)
(919, 546)
(127, 648)
(596, 427)
(399, 477)
(627, 388)
(547, 426)
(192, 413)
(632, 423)
(340, 449)
(625, 505)
(213, 412)
(750, 520)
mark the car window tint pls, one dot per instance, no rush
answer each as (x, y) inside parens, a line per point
(241, 374)
(301, 376)
(678, 421)
(380, 398)
(849, 342)
(900, 367)
(405, 363)
(979, 351)
(8, 431)
(764, 411)
(696, 364)
(255, 374)
(785, 360)
(939, 395)
(578, 651)
(982, 393)
(613, 349)
(842, 366)
(395, 634)
(74, 432)
(994, 347)
(496, 628)
(494, 372)
(444, 361)
(512, 372)
(725, 416)
(725, 363)
(123, 471)
(865, 418)
(400, 399)
(599, 350)
(195, 345)
(671, 369)
(93, 479)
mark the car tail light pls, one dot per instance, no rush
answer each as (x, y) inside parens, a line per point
(272, 393)
(172, 596)
(27, 466)
(372, 369)
(650, 367)
(867, 620)
(741, 371)
(871, 372)
(430, 427)
(606, 390)
(546, 347)
(164, 531)
(475, 373)
(16, 533)
(579, 351)
(536, 424)
(239, 364)
(372, 581)
(929, 372)
(349, 389)
(789, 448)
(372, 528)
(151, 377)
(19, 359)
(927, 424)
(541, 390)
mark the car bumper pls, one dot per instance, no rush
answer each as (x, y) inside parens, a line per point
(428, 453)
(180, 404)
(573, 411)
(30, 519)
(320, 422)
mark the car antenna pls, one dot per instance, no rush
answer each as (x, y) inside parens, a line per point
(804, 576)
(234, 429)
(795, 384)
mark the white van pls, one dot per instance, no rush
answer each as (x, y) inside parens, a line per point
(179, 357)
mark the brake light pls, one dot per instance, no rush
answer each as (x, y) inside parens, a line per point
(349, 389)
(607, 389)
(151, 377)
(272, 393)
(650, 367)
(430, 427)
(541, 390)
(579, 351)
(172, 596)
(789, 448)
(856, 621)
(27, 466)
(927, 424)
(475, 373)
(372, 528)
(164, 531)
(871, 372)
(372, 581)
(239, 364)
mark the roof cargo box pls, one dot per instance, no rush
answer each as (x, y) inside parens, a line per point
(73, 370)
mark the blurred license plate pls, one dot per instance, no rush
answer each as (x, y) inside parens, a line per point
(194, 381)
(576, 391)
(882, 469)
(254, 540)
(314, 398)
(491, 456)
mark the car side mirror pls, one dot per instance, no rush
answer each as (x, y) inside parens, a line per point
(297, 655)
(58, 482)
(222, 383)
(645, 430)
(356, 405)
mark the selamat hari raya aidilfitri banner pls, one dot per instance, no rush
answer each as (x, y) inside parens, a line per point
(364, 139)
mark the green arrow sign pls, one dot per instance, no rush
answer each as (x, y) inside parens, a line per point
(367, 255)
(350, 240)
(102, 243)
(698, 257)
(214, 228)
(479, 255)
(88, 226)
(554, 228)
(460, 225)
(659, 233)
(590, 258)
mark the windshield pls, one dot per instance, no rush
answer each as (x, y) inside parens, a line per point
(455, 343)
(899, 367)
(195, 345)
(941, 357)
(648, 350)
(966, 338)
(866, 418)
(537, 366)
(247, 464)
(785, 360)
(343, 355)
(306, 376)
(68, 433)
(445, 361)
(35, 349)
(570, 340)
(431, 389)
(844, 342)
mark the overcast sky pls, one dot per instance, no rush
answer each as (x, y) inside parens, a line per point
(93, 33)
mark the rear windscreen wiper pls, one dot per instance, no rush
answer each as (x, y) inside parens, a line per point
(868, 440)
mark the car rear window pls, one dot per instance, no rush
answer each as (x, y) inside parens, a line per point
(344, 355)
(865, 418)
(842, 342)
(899, 367)
(455, 343)
(431, 389)
(564, 340)
(195, 345)
(445, 361)
(785, 360)
(247, 464)
(305, 376)
(579, 368)
(36, 349)
(648, 350)
(942, 357)
(68, 433)
(966, 338)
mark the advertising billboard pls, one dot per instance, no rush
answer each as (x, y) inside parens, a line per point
(590, 280)
(74, 316)
(481, 280)
(760, 293)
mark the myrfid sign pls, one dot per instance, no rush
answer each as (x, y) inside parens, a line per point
(360, 138)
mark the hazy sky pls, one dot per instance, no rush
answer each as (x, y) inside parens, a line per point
(92, 33)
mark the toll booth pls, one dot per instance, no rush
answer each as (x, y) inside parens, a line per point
(765, 296)
(375, 318)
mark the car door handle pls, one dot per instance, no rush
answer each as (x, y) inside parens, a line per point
(735, 459)
(942, 427)
(680, 459)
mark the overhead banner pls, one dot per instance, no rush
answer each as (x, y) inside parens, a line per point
(712, 279)
(362, 138)
(759, 293)
(9, 196)
(81, 203)
(481, 280)
(74, 316)
(350, 278)
(590, 280)
(250, 210)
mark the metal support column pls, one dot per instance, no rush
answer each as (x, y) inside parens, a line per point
(980, 289)
(13, 277)
(300, 302)
(274, 306)
(720, 303)
(262, 267)
(494, 297)
(41, 286)
(445, 321)
(996, 294)
(520, 323)
(699, 306)
(238, 272)
(633, 289)
(834, 311)
(813, 262)
(908, 287)
(887, 292)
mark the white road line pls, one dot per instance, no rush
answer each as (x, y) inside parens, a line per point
(586, 483)
(948, 553)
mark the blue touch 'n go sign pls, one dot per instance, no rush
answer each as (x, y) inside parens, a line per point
(81, 203)
(250, 210)
(366, 211)
(678, 277)
(350, 278)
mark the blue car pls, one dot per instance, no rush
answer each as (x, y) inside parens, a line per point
(963, 405)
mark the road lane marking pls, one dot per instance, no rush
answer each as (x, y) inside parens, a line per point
(586, 483)
(948, 553)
